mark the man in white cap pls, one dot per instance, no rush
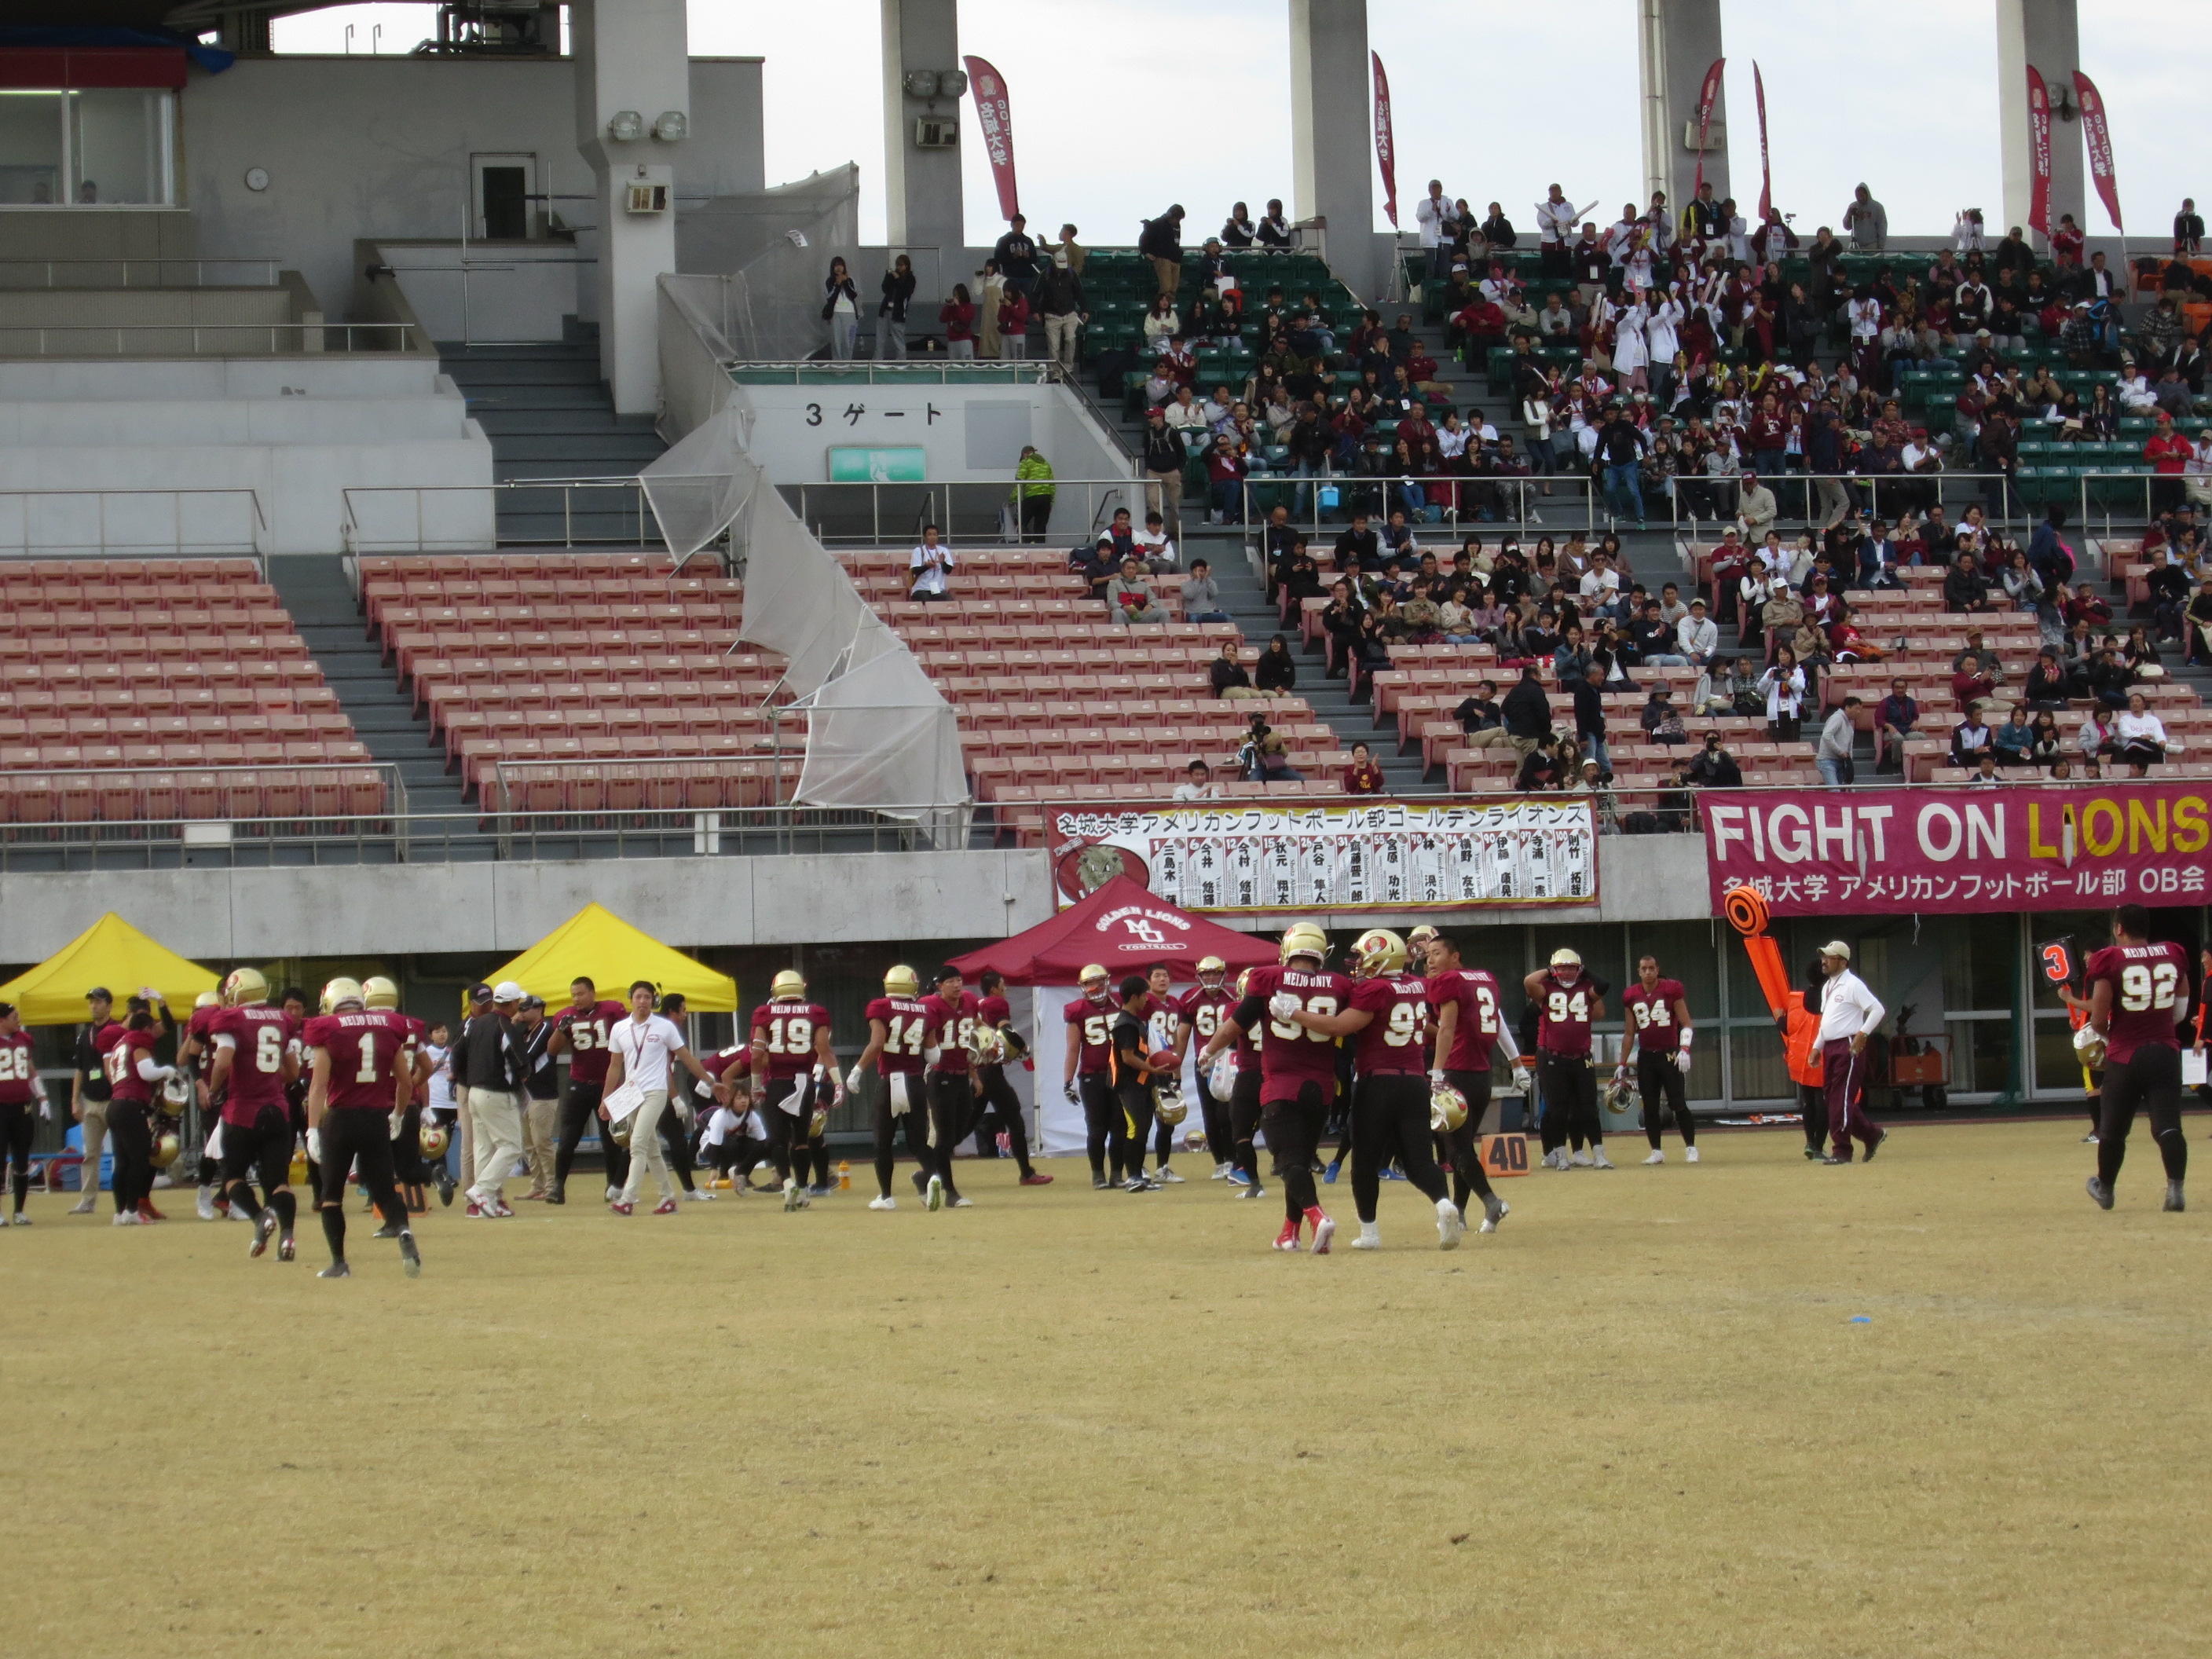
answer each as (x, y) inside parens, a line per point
(1850, 1014)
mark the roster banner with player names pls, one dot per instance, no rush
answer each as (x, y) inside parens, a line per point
(1900, 852)
(1259, 858)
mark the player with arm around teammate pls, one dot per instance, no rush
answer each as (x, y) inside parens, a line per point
(1568, 1006)
(1298, 1069)
(793, 1066)
(1389, 1016)
(361, 1076)
(1465, 1005)
(898, 1031)
(127, 1056)
(2138, 998)
(1654, 1016)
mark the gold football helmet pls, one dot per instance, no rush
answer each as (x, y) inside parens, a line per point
(340, 992)
(1378, 951)
(903, 981)
(241, 986)
(1447, 1108)
(789, 983)
(1303, 939)
(378, 991)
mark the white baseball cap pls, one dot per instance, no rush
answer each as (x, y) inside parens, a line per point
(506, 991)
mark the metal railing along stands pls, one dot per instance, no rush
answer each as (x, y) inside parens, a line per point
(67, 523)
(48, 269)
(206, 338)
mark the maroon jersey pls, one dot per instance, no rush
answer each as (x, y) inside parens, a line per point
(196, 1026)
(1203, 1010)
(1291, 1056)
(1162, 1019)
(1396, 1039)
(119, 1052)
(1474, 1034)
(1652, 1013)
(906, 1026)
(2150, 996)
(1564, 1013)
(587, 1031)
(258, 1034)
(717, 1065)
(785, 1032)
(1094, 1017)
(365, 1046)
(19, 1079)
(951, 1029)
(993, 1012)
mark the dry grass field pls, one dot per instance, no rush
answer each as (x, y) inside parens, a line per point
(1636, 1421)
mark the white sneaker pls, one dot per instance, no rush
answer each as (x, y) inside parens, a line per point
(1689, 1155)
(1599, 1161)
(698, 1195)
(83, 1206)
(1657, 1157)
(1370, 1236)
(1494, 1210)
(1579, 1160)
(1451, 1225)
(964, 1202)
(932, 1198)
(1221, 1172)
(1165, 1176)
(883, 1204)
(613, 1193)
(129, 1219)
(207, 1205)
(794, 1195)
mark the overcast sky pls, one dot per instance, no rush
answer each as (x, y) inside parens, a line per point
(1160, 101)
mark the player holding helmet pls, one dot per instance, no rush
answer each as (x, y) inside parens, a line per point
(1201, 1009)
(1388, 1014)
(997, 1043)
(1569, 1004)
(1298, 1069)
(1464, 1004)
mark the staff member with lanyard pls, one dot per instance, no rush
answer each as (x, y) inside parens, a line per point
(90, 1093)
(531, 1037)
(1850, 1014)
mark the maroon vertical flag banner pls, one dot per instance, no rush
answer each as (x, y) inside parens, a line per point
(996, 115)
(1386, 149)
(2099, 137)
(1765, 176)
(1708, 95)
(2039, 153)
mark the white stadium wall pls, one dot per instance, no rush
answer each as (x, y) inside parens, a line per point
(975, 435)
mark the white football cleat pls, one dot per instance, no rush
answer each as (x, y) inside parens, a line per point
(1689, 1155)
(698, 1195)
(1324, 1228)
(207, 1205)
(83, 1206)
(963, 1203)
(882, 1203)
(1370, 1236)
(1451, 1225)
(129, 1219)
(1657, 1157)
(933, 1195)
(1579, 1160)
(1598, 1160)
(1166, 1176)
(1494, 1210)
(1221, 1172)
(794, 1195)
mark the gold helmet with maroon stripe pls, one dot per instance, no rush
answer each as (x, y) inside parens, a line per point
(1092, 979)
(339, 992)
(903, 981)
(1447, 1108)
(1211, 972)
(789, 984)
(1566, 965)
(378, 991)
(241, 986)
(1303, 939)
(208, 1000)
(1378, 951)
(432, 1139)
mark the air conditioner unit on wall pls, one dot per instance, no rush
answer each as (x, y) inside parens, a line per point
(646, 191)
(1715, 139)
(936, 131)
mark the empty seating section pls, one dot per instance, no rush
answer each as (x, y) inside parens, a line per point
(585, 683)
(136, 691)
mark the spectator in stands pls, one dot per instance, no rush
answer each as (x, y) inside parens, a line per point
(1358, 546)
(1016, 256)
(1480, 719)
(2139, 737)
(1059, 300)
(931, 563)
(2169, 454)
(1985, 773)
(1527, 712)
(1265, 757)
(1277, 673)
(1032, 492)
(841, 309)
(1714, 767)
(1589, 720)
(1896, 718)
(1161, 241)
(1965, 587)
(1129, 595)
(1363, 776)
(2014, 742)
(1661, 720)
(1230, 683)
(1970, 737)
(1225, 467)
(1165, 456)
(2048, 685)
(1541, 768)
(957, 314)
(1971, 681)
(2047, 743)
(1783, 686)
(1201, 595)
(1097, 564)
(1866, 221)
(1654, 641)
(1153, 544)
(1300, 580)
(1274, 229)
(1840, 734)
(1197, 783)
(890, 311)
(1755, 507)
(1237, 231)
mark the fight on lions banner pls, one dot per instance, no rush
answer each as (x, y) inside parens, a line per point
(1897, 852)
(1230, 855)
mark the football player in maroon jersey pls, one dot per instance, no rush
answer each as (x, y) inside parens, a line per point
(951, 1010)
(1002, 1107)
(253, 1063)
(1201, 1014)
(127, 1055)
(1656, 1027)
(580, 1032)
(898, 1032)
(196, 1056)
(2138, 999)
(792, 1066)
(1163, 1029)
(1466, 1005)
(1388, 1014)
(1088, 1076)
(1569, 1004)
(360, 1072)
(407, 1164)
(1298, 1069)
(23, 1103)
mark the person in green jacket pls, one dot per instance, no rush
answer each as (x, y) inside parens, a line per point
(1032, 492)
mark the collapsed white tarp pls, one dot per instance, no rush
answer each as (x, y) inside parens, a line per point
(799, 600)
(697, 489)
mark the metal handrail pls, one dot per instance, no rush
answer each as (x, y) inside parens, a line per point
(103, 547)
(949, 371)
(269, 266)
(357, 546)
(117, 330)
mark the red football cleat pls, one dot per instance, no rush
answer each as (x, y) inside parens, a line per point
(1037, 1179)
(1288, 1238)
(146, 1211)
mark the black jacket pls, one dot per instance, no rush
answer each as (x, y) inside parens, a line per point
(1060, 292)
(832, 292)
(1163, 448)
(1527, 711)
(1017, 255)
(484, 1057)
(898, 290)
(1161, 239)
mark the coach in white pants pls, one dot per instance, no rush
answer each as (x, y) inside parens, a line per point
(485, 1062)
(644, 1050)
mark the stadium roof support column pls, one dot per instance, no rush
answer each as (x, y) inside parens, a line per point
(923, 185)
(1677, 41)
(2044, 33)
(1332, 136)
(632, 71)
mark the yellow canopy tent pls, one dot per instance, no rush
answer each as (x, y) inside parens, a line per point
(111, 953)
(597, 942)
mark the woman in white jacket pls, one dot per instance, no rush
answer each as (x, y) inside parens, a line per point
(1631, 355)
(1663, 318)
(2139, 737)
(1784, 686)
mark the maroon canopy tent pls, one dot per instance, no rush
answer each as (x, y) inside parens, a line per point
(1123, 928)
